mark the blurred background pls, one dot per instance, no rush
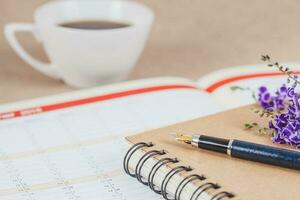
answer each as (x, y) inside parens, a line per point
(189, 39)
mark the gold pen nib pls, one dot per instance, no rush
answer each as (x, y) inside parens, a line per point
(182, 137)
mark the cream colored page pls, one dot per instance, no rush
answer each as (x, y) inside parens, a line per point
(76, 153)
(102, 90)
(226, 98)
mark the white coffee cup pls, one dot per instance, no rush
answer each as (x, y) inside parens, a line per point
(82, 57)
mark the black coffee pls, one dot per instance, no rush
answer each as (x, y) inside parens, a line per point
(94, 25)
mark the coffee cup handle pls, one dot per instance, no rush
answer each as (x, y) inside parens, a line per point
(10, 34)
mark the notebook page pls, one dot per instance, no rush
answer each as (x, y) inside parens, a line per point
(76, 153)
(219, 83)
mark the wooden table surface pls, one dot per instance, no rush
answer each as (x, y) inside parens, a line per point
(189, 38)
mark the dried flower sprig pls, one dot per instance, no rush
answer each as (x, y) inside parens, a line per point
(282, 108)
(253, 93)
(264, 113)
(259, 130)
(283, 69)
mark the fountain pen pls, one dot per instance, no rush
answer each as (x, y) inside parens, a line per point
(245, 150)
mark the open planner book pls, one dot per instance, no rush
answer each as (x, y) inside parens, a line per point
(71, 146)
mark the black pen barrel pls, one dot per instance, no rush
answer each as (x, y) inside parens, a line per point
(211, 143)
(265, 154)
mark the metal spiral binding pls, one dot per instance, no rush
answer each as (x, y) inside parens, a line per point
(186, 181)
(155, 168)
(202, 188)
(130, 152)
(221, 195)
(149, 180)
(142, 161)
(168, 177)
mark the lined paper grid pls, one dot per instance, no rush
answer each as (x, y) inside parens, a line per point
(76, 153)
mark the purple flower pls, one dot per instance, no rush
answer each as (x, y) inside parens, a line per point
(285, 105)
(275, 102)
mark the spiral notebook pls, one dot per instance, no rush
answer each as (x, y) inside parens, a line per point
(201, 174)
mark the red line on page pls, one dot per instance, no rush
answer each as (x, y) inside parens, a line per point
(223, 82)
(73, 103)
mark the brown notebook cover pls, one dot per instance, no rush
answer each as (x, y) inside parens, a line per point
(247, 180)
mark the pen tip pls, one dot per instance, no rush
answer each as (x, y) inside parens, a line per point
(182, 137)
